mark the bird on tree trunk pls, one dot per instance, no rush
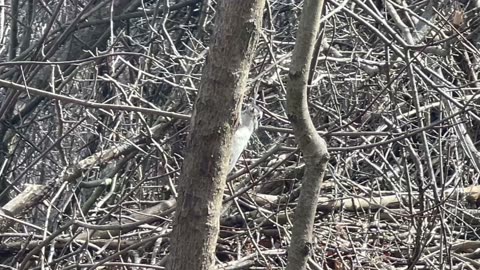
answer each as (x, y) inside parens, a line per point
(248, 124)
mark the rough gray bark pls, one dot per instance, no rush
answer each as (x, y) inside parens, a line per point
(314, 147)
(205, 168)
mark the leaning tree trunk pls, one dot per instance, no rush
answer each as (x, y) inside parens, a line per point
(196, 222)
(314, 147)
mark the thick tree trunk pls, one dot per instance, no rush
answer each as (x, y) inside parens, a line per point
(314, 147)
(205, 168)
